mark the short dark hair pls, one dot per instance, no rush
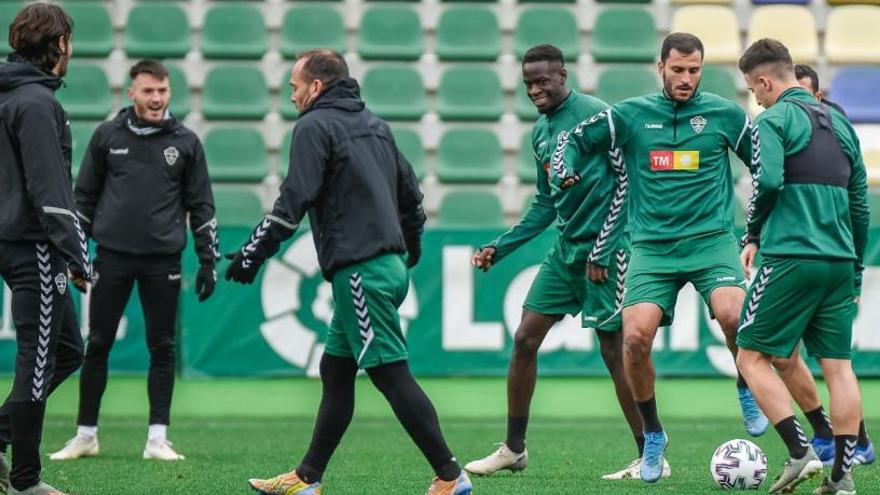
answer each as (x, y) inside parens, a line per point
(149, 66)
(326, 66)
(543, 53)
(766, 51)
(35, 31)
(803, 70)
(685, 43)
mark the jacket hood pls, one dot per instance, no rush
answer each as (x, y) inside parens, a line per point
(344, 94)
(170, 124)
(18, 71)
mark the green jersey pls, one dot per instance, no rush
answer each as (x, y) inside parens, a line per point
(677, 158)
(591, 215)
(812, 210)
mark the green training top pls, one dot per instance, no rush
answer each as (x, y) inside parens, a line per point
(676, 154)
(591, 216)
(806, 220)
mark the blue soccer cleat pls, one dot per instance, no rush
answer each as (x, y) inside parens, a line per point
(651, 468)
(824, 448)
(865, 455)
(754, 419)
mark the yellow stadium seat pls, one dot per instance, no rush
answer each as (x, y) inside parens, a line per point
(793, 25)
(851, 35)
(717, 28)
(701, 2)
(869, 138)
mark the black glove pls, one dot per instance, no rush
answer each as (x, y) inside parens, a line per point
(414, 253)
(242, 270)
(206, 280)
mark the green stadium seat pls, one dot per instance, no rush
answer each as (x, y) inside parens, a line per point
(622, 82)
(307, 27)
(624, 1)
(237, 205)
(410, 144)
(469, 93)
(180, 93)
(235, 92)
(234, 31)
(94, 31)
(554, 25)
(86, 94)
(719, 80)
(145, 37)
(468, 33)
(236, 154)
(525, 160)
(624, 34)
(8, 10)
(874, 206)
(391, 33)
(287, 108)
(395, 93)
(523, 106)
(284, 153)
(470, 208)
(81, 135)
(469, 155)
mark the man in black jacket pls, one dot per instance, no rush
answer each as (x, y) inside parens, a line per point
(141, 175)
(364, 206)
(41, 241)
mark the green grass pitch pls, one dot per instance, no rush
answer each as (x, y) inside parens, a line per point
(231, 430)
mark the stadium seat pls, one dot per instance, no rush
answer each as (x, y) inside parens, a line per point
(523, 106)
(469, 93)
(624, 1)
(286, 107)
(793, 25)
(701, 2)
(86, 93)
(8, 10)
(236, 154)
(874, 205)
(284, 153)
(235, 92)
(391, 33)
(719, 80)
(624, 34)
(854, 2)
(234, 31)
(773, 2)
(469, 155)
(716, 26)
(410, 144)
(470, 208)
(145, 37)
(855, 89)
(547, 1)
(237, 205)
(395, 93)
(180, 94)
(81, 135)
(621, 82)
(468, 33)
(869, 136)
(525, 160)
(554, 25)
(94, 31)
(852, 35)
(307, 27)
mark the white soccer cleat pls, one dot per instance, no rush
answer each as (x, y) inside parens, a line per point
(503, 458)
(161, 450)
(632, 471)
(76, 447)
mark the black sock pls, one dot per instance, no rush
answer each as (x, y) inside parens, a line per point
(417, 415)
(334, 415)
(27, 428)
(844, 448)
(740, 381)
(648, 410)
(640, 443)
(819, 421)
(516, 434)
(863, 435)
(793, 436)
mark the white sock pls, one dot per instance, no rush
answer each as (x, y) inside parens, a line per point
(87, 431)
(157, 432)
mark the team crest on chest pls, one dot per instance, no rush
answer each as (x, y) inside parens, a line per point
(171, 155)
(698, 123)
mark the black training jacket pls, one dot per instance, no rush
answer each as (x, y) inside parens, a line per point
(134, 191)
(36, 198)
(360, 193)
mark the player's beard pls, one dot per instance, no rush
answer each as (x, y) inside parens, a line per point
(61, 67)
(670, 91)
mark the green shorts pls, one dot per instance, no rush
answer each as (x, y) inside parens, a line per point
(366, 325)
(660, 269)
(561, 289)
(791, 299)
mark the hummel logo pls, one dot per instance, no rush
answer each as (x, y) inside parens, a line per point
(542, 144)
(653, 126)
(174, 276)
(725, 279)
(118, 151)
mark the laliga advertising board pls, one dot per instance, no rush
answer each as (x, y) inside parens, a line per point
(458, 321)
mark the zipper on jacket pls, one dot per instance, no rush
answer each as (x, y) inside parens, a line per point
(675, 122)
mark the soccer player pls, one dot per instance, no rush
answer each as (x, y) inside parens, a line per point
(675, 145)
(142, 176)
(591, 219)
(809, 217)
(42, 245)
(365, 211)
(809, 80)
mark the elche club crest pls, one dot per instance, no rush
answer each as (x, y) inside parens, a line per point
(61, 283)
(171, 155)
(698, 123)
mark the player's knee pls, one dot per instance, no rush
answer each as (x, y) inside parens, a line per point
(97, 350)
(636, 343)
(746, 360)
(611, 348)
(784, 366)
(161, 350)
(526, 342)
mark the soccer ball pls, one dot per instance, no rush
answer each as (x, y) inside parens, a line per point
(738, 465)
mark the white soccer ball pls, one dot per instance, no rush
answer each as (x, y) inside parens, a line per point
(738, 465)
